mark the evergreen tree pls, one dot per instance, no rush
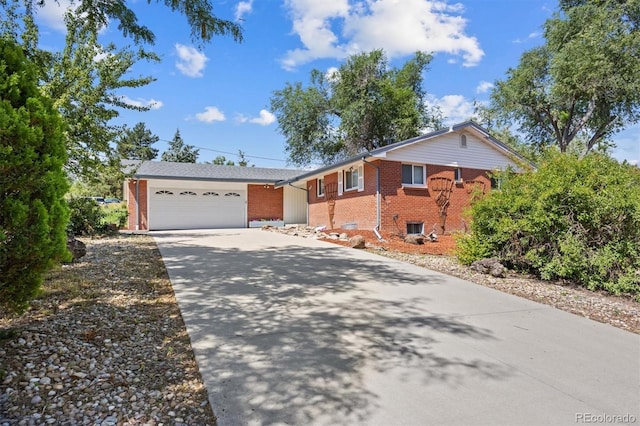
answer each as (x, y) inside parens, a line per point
(136, 144)
(33, 214)
(179, 152)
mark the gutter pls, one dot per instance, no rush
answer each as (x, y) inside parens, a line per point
(376, 229)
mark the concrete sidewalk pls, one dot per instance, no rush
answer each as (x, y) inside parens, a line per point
(294, 331)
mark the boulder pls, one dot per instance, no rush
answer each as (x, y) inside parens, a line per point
(489, 266)
(414, 239)
(76, 247)
(357, 241)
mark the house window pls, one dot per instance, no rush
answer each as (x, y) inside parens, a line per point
(320, 187)
(415, 228)
(350, 179)
(463, 141)
(496, 183)
(458, 175)
(413, 174)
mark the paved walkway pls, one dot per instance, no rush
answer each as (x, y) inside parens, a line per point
(293, 331)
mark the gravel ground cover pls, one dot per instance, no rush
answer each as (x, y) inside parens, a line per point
(105, 344)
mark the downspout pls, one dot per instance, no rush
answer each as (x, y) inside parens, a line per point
(137, 204)
(376, 229)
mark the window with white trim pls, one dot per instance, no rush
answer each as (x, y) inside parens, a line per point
(415, 228)
(458, 174)
(320, 187)
(413, 175)
(351, 179)
(463, 141)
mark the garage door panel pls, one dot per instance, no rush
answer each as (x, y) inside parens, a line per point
(193, 208)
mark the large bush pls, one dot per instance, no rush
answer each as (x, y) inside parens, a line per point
(575, 219)
(87, 217)
(33, 215)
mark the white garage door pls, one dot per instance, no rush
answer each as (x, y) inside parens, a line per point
(196, 209)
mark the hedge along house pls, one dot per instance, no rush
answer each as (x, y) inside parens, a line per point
(409, 187)
(165, 195)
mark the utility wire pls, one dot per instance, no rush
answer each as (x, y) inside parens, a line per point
(230, 153)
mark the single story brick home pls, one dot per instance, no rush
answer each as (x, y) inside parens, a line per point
(414, 186)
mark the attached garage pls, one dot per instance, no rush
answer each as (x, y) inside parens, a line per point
(186, 208)
(164, 195)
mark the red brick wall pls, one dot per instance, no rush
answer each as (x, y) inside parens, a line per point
(398, 205)
(142, 204)
(265, 203)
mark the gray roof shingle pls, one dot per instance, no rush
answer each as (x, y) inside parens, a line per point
(206, 172)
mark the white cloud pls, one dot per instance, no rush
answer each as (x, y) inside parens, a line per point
(484, 87)
(142, 103)
(210, 115)
(531, 36)
(243, 8)
(455, 108)
(340, 28)
(264, 119)
(190, 62)
(52, 14)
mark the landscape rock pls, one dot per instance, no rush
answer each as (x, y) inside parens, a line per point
(489, 266)
(414, 239)
(357, 241)
(77, 248)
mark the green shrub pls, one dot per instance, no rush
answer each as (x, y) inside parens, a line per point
(86, 217)
(116, 213)
(33, 214)
(575, 219)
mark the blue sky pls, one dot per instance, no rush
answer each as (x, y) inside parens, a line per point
(218, 95)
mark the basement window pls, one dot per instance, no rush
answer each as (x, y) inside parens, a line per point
(415, 228)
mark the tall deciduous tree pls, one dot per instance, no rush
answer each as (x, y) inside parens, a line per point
(85, 78)
(179, 152)
(582, 86)
(33, 214)
(363, 105)
(137, 143)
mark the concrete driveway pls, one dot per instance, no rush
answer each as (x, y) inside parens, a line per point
(293, 331)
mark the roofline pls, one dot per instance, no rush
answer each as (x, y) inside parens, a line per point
(203, 179)
(394, 146)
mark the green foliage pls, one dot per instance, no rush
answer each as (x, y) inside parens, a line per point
(86, 78)
(87, 217)
(33, 214)
(221, 160)
(179, 152)
(574, 218)
(362, 106)
(582, 86)
(136, 143)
